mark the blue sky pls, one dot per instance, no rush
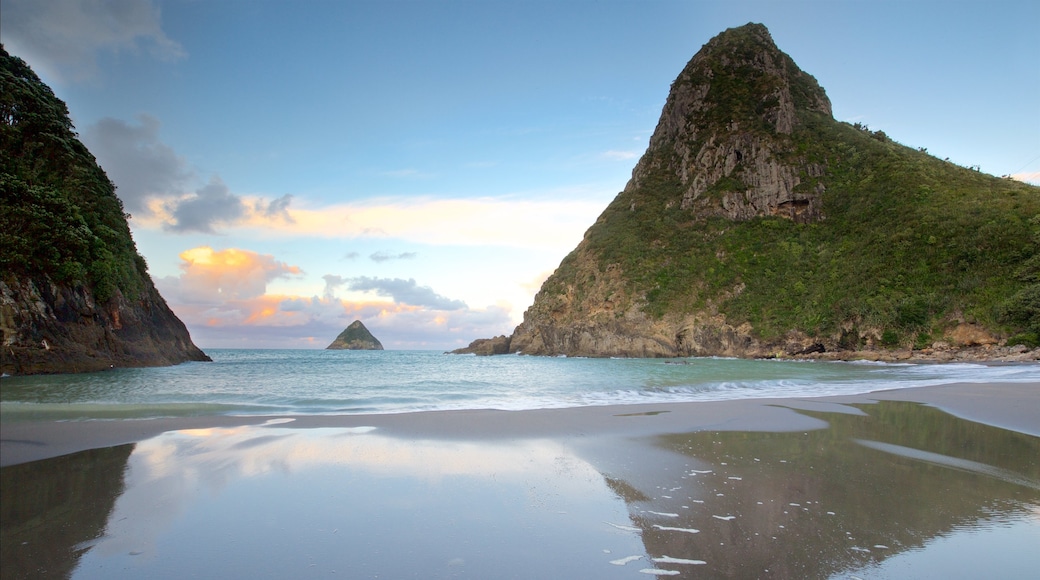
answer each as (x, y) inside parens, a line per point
(423, 166)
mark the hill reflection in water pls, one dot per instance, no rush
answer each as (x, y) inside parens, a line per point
(886, 481)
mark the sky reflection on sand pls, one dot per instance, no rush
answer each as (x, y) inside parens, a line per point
(282, 502)
(885, 489)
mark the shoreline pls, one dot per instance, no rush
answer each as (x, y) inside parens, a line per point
(935, 481)
(1010, 406)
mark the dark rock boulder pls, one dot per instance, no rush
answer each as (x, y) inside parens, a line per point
(485, 346)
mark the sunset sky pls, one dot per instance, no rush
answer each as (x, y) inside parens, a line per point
(423, 166)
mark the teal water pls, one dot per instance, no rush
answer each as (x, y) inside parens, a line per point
(269, 382)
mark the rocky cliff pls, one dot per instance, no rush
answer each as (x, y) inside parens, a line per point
(757, 225)
(355, 337)
(74, 293)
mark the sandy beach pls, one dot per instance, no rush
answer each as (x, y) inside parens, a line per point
(926, 482)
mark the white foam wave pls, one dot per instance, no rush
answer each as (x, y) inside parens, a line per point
(671, 529)
(670, 560)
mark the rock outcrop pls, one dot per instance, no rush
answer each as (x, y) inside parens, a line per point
(74, 293)
(732, 152)
(355, 337)
(724, 144)
(485, 346)
(755, 225)
(58, 328)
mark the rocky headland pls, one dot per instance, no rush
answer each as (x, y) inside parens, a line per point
(75, 295)
(756, 225)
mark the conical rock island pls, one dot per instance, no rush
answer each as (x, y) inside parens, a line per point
(355, 337)
(755, 225)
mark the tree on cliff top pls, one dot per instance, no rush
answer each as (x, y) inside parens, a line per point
(59, 214)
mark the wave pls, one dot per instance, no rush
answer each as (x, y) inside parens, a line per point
(310, 383)
(28, 411)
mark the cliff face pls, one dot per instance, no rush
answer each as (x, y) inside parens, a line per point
(60, 328)
(74, 293)
(725, 131)
(355, 337)
(757, 225)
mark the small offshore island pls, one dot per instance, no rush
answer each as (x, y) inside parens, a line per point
(355, 337)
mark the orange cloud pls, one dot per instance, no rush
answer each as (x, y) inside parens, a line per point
(221, 295)
(212, 276)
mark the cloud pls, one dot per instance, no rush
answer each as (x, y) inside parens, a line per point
(404, 292)
(541, 223)
(621, 155)
(548, 220)
(332, 282)
(387, 256)
(221, 295)
(62, 38)
(212, 204)
(351, 256)
(213, 277)
(533, 285)
(158, 186)
(275, 321)
(277, 209)
(141, 166)
(1032, 177)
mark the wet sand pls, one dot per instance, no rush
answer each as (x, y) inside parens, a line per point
(920, 482)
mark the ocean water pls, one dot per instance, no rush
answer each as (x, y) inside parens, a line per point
(274, 382)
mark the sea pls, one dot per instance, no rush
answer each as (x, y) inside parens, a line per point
(331, 382)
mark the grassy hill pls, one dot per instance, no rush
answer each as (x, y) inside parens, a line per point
(755, 213)
(909, 244)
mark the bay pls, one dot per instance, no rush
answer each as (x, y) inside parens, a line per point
(307, 382)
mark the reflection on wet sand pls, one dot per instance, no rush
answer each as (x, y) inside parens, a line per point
(279, 502)
(884, 484)
(820, 503)
(54, 510)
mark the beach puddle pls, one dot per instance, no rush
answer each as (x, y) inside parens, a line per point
(899, 490)
(278, 502)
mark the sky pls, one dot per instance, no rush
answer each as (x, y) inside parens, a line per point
(423, 166)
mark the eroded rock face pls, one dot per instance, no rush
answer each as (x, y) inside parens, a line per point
(686, 258)
(732, 157)
(75, 295)
(49, 328)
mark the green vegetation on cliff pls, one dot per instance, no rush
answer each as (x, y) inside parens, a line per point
(59, 214)
(906, 242)
(75, 296)
(901, 246)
